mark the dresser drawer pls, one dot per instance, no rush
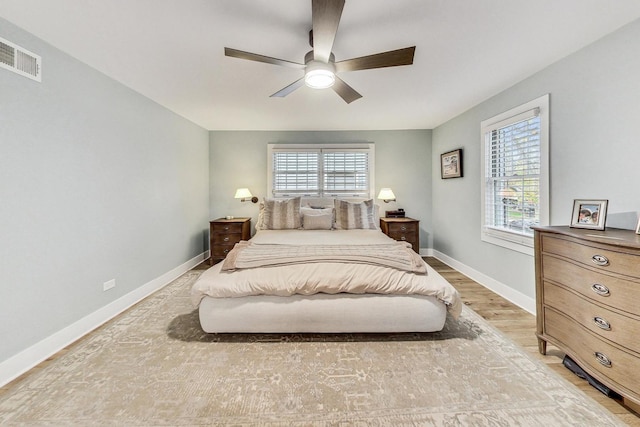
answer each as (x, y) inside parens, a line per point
(627, 264)
(590, 351)
(605, 289)
(605, 323)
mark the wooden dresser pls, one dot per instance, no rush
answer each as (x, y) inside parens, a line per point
(588, 302)
(405, 229)
(224, 234)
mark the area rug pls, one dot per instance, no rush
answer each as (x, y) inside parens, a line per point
(153, 365)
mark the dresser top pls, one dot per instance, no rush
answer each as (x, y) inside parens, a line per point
(610, 236)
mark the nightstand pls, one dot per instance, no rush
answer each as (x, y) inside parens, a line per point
(404, 229)
(224, 234)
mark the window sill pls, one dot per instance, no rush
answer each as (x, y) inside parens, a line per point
(522, 244)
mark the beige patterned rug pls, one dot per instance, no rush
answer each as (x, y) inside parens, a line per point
(154, 366)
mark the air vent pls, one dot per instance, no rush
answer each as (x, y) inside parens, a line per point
(20, 61)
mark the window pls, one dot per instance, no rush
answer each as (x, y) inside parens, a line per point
(327, 170)
(515, 183)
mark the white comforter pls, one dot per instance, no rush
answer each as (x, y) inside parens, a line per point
(325, 277)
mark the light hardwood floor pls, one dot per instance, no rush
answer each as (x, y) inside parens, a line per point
(520, 326)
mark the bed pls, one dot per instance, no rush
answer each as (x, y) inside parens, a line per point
(322, 278)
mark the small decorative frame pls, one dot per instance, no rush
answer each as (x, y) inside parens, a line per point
(589, 213)
(638, 227)
(451, 164)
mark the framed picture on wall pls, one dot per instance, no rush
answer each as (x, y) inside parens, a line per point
(589, 213)
(451, 164)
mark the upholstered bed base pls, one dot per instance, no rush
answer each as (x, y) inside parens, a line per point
(324, 313)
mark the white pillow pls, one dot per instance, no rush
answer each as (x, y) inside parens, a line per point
(351, 216)
(281, 214)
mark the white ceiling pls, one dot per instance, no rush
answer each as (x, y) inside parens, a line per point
(172, 51)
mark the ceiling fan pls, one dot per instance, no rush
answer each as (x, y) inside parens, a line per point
(319, 64)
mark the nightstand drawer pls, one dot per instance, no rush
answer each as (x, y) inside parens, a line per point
(227, 228)
(226, 239)
(405, 236)
(402, 229)
(220, 252)
(398, 228)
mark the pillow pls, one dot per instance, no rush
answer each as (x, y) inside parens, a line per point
(308, 210)
(281, 214)
(260, 222)
(322, 221)
(355, 215)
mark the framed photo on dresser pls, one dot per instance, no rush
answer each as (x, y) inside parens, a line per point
(589, 213)
(638, 227)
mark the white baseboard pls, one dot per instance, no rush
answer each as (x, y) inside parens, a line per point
(17, 365)
(518, 298)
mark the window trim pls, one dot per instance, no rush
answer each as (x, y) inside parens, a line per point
(515, 241)
(369, 147)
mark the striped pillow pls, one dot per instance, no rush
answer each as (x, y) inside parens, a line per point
(282, 214)
(355, 215)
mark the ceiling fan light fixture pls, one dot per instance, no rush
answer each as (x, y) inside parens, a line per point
(319, 75)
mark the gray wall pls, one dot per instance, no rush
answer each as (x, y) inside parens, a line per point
(96, 183)
(402, 162)
(594, 151)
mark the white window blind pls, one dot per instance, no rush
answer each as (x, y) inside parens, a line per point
(296, 172)
(515, 182)
(322, 171)
(345, 172)
(514, 175)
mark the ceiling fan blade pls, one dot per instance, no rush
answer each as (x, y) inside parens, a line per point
(392, 58)
(234, 53)
(287, 90)
(326, 17)
(345, 91)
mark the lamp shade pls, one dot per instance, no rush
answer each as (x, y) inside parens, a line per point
(243, 193)
(386, 194)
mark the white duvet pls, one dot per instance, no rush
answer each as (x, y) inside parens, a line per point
(323, 277)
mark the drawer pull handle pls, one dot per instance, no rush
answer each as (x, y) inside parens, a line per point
(603, 359)
(226, 239)
(600, 260)
(226, 251)
(602, 323)
(601, 290)
(226, 228)
(403, 228)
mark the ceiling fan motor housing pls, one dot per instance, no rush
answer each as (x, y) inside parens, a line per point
(309, 57)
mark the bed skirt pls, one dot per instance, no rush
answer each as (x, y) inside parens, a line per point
(322, 313)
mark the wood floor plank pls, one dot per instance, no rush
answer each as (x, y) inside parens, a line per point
(520, 326)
